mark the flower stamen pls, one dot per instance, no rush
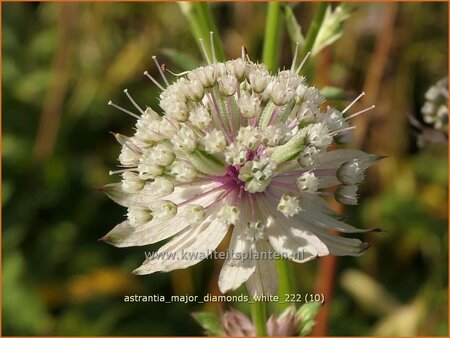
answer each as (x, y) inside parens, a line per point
(353, 102)
(160, 70)
(146, 73)
(110, 103)
(133, 101)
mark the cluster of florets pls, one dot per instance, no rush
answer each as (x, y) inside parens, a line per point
(435, 109)
(230, 114)
(236, 145)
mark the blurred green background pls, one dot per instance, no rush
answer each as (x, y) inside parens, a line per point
(62, 63)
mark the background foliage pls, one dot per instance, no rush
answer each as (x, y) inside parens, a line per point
(62, 62)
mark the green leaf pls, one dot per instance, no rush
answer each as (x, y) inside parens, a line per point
(210, 322)
(331, 28)
(334, 94)
(293, 27)
(307, 313)
(182, 60)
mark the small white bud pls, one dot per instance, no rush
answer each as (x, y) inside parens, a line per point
(159, 187)
(236, 67)
(227, 85)
(195, 214)
(193, 89)
(229, 214)
(274, 135)
(183, 171)
(351, 172)
(163, 209)
(131, 182)
(128, 157)
(200, 117)
(139, 215)
(214, 141)
(250, 105)
(184, 139)
(147, 168)
(257, 174)
(289, 205)
(307, 182)
(161, 154)
(259, 78)
(255, 231)
(308, 157)
(249, 136)
(347, 194)
(317, 135)
(235, 154)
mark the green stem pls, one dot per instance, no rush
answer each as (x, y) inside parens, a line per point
(259, 316)
(271, 58)
(313, 29)
(272, 38)
(201, 21)
(286, 285)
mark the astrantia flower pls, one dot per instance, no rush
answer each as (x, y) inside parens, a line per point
(291, 322)
(235, 323)
(239, 150)
(435, 109)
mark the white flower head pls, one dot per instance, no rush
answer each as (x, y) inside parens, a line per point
(435, 108)
(235, 147)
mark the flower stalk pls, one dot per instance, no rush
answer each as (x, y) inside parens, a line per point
(313, 30)
(259, 315)
(272, 37)
(286, 284)
(202, 24)
(271, 58)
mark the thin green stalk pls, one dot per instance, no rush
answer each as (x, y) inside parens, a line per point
(205, 10)
(259, 316)
(271, 58)
(313, 29)
(201, 20)
(286, 284)
(272, 37)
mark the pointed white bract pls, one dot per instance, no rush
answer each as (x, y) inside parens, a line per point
(237, 149)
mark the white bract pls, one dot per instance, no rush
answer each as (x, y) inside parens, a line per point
(236, 149)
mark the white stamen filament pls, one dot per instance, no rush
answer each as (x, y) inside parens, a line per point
(132, 101)
(303, 62)
(353, 102)
(121, 171)
(160, 70)
(211, 42)
(153, 80)
(359, 113)
(205, 53)
(294, 60)
(341, 130)
(110, 103)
